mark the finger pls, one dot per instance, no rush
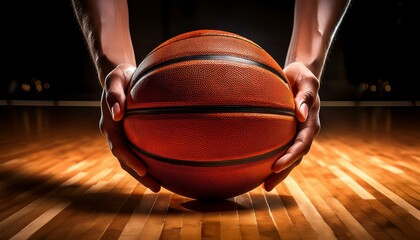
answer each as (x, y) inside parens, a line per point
(147, 180)
(305, 88)
(274, 179)
(115, 84)
(115, 99)
(306, 133)
(118, 144)
(305, 99)
(128, 160)
(114, 132)
(300, 147)
(126, 157)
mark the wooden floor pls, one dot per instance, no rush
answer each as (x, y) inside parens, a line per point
(58, 180)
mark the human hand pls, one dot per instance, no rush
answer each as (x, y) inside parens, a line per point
(305, 86)
(112, 112)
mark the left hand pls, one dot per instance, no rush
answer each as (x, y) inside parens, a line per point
(305, 86)
(111, 125)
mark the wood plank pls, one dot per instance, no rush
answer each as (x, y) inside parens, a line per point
(312, 215)
(133, 193)
(192, 224)
(139, 217)
(280, 217)
(174, 218)
(301, 224)
(229, 222)
(154, 224)
(266, 227)
(247, 218)
(381, 188)
(355, 183)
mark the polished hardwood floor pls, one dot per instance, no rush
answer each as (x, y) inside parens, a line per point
(58, 180)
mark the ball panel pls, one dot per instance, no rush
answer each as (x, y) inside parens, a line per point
(210, 83)
(217, 44)
(210, 182)
(200, 33)
(210, 136)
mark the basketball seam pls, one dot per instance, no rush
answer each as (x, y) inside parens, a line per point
(206, 163)
(210, 58)
(211, 109)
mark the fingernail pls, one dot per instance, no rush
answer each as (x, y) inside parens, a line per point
(268, 189)
(304, 109)
(278, 167)
(114, 109)
(155, 189)
(141, 174)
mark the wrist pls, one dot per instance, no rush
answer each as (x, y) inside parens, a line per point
(104, 66)
(315, 65)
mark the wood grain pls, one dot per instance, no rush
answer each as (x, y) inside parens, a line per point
(59, 180)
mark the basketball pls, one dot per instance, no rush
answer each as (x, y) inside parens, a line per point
(209, 112)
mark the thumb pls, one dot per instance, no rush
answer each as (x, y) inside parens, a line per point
(305, 88)
(304, 101)
(115, 85)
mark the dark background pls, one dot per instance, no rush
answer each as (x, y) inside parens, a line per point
(374, 55)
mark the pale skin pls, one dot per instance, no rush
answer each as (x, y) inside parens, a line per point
(105, 26)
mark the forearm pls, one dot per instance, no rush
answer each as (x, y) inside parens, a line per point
(105, 26)
(315, 25)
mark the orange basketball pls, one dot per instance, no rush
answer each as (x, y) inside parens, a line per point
(209, 112)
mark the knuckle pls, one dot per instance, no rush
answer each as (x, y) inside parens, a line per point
(109, 78)
(305, 145)
(297, 162)
(111, 95)
(309, 97)
(306, 148)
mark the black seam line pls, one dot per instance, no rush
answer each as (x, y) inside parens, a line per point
(213, 57)
(206, 163)
(210, 109)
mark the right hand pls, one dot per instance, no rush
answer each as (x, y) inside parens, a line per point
(112, 112)
(305, 87)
